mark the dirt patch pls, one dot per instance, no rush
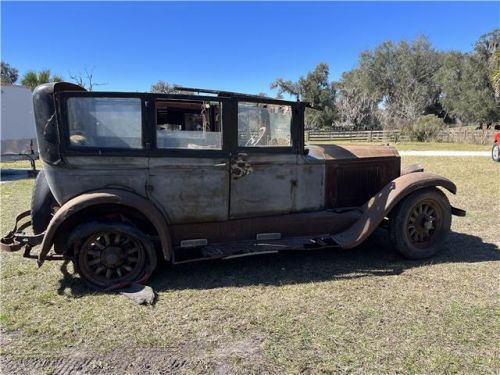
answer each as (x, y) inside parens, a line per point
(242, 356)
(119, 362)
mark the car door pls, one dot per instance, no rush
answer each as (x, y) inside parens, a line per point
(189, 164)
(264, 164)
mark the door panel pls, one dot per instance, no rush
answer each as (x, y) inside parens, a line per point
(190, 190)
(268, 183)
(268, 189)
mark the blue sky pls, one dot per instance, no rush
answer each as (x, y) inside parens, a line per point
(230, 46)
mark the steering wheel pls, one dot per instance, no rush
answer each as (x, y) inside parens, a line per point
(255, 139)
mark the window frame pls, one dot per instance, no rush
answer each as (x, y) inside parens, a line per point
(294, 129)
(61, 99)
(225, 106)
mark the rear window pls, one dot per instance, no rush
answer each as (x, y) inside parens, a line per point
(105, 122)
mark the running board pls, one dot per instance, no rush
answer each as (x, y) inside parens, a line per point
(237, 249)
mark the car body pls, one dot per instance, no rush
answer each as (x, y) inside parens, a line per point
(495, 150)
(210, 174)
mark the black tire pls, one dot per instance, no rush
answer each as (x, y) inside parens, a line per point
(495, 152)
(42, 204)
(420, 223)
(112, 254)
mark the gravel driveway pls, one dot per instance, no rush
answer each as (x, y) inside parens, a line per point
(445, 153)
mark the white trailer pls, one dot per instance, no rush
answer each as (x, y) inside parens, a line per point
(18, 134)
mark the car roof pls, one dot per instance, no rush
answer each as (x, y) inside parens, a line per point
(233, 94)
(184, 92)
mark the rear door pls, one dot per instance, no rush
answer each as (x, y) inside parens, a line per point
(189, 164)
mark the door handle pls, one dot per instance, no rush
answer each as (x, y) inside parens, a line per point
(220, 165)
(240, 167)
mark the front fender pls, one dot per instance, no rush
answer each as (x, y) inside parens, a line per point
(107, 196)
(379, 206)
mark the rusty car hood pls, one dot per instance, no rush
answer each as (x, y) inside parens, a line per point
(343, 152)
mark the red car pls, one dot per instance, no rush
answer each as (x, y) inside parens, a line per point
(495, 152)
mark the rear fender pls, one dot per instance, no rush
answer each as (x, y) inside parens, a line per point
(108, 196)
(379, 206)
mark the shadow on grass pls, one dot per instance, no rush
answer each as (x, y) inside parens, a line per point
(373, 258)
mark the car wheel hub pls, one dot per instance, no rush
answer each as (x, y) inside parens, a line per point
(421, 223)
(111, 257)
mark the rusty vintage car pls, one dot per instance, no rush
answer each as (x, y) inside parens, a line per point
(132, 178)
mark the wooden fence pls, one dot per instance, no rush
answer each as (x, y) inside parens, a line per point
(363, 136)
(448, 135)
(480, 137)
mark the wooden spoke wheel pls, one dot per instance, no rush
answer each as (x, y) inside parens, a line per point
(424, 222)
(419, 224)
(111, 254)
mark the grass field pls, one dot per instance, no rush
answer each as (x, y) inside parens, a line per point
(19, 164)
(365, 310)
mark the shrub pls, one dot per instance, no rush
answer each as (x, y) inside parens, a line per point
(425, 128)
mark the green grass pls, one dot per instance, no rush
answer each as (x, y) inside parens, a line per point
(417, 146)
(19, 164)
(364, 310)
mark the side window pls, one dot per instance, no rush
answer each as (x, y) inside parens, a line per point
(188, 125)
(264, 125)
(105, 122)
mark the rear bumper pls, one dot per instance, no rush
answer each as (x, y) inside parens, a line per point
(17, 239)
